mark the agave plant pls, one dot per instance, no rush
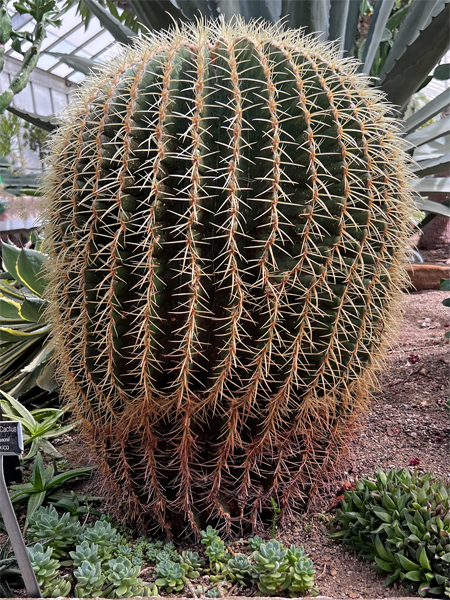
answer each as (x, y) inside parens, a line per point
(26, 346)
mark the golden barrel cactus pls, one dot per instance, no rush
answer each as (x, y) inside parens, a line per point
(227, 214)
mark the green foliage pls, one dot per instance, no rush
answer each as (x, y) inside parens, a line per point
(42, 12)
(401, 520)
(272, 567)
(46, 525)
(276, 512)
(75, 504)
(26, 346)
(104, 536)
(85, 552)
(38, 426)
(10, 576)
(170, 575)
(192, 564)
(90, 579)
(239, 570)
(42, 482)
(45, 567)
(301, 571)
(124, 579)
(254, 543)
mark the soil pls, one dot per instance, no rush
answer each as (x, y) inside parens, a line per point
(407, 421)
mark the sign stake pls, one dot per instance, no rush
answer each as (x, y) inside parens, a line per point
(10, 520)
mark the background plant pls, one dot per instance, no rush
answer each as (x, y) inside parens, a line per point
(10, 576)
(41, 483)
(38, 426)
(26, 347)
(401, 520)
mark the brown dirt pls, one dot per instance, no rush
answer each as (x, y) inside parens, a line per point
(406, 421)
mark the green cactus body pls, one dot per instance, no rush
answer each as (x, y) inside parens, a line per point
(227, 212)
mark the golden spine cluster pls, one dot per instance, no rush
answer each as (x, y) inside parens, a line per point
(228, 207)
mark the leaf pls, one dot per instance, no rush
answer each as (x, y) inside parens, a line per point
(118, 30)
(61, 478)
(47, 123)
(32, 310)
(9, 310)
(432, 166)
(30, 270)
(407, 564)
(434, 207)
(10, 334)
(34, 503)
(384, 515)
(388, 567)
(418, 57)
(386, 555)
(391, 578)
(10, 256)
(414, 575)
(429, 133)
(78, 63)
(432, 185)
(396, 20)
(423, 560)
(442, 72)
(377, 26)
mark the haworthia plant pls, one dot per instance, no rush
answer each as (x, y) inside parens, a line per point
(227, 212)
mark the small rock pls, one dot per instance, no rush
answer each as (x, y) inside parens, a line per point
(333, 572)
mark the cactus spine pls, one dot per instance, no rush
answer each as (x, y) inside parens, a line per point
(227, 211)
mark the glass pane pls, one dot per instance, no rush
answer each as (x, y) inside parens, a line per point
(46, 62)
(64, 47)
(69, 20)
(42, 99)
(24, 100)
(99, 43)
(108, 52)
(76, 77)
(81, 36)
(59, 100)
(62, 70)
(49, 40)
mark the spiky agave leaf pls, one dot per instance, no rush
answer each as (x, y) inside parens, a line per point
(228, 206)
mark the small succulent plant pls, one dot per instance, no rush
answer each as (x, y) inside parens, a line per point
(213, 593)
(254, 543)
(124, 578)
(239, 570)
(301, 571)
(59, 588)
(192, 564)
(272, 568)
(62, 532)
(104, 536)
(45, 567)
(218, 557)
(170, 575)
(90, 580)
(209, 536)
(401, 520)
(85, 552)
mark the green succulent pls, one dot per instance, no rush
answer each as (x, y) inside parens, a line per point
(10, 575)
(59, 533)
(209, 536)
(59, 588)
(272, 568)
(90, 580)
(75, 504)
(254, 543)
(85, 552)
(124, 578)
(192, 563)
(159, 552)
(239, 570)
(401, 521)
(218, 557)
(104, 536)
(170, 575)
(214, 592)
(45, 567)
(301, 571)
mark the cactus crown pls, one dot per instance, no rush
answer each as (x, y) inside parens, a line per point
(227, 209)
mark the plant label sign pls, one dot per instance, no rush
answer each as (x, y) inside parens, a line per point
(11, 438)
